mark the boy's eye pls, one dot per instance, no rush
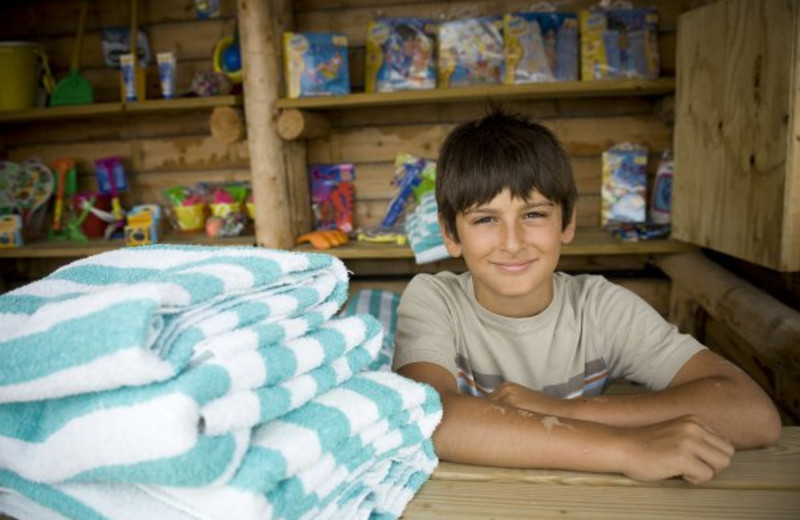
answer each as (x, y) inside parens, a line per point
(536, 214)
(482, 220)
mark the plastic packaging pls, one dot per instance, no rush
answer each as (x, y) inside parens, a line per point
(316, 64)
(400, 54)
(624, 184)
(471, 52)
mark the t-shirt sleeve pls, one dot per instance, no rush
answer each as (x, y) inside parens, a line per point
(424, 325)
(640, 345)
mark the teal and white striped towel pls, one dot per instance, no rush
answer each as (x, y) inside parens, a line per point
(382, 305)
(360, 450)
(137, 315)
(191, 430)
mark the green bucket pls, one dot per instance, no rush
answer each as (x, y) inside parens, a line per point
(20, 72)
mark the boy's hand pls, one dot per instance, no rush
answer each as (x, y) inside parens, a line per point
(518, 396)
(681, 447)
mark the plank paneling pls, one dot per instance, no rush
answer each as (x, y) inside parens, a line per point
(737, 183)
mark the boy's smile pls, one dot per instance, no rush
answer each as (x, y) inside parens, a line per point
(511, 247)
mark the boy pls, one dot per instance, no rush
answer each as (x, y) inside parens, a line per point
(520, 353)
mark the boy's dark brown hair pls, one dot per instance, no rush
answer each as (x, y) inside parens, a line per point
(479, 159)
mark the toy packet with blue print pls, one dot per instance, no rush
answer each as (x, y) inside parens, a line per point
(619, 43)
(624, 184)
(540, 46)
(316, 64)
(471, 52)
(400, 54)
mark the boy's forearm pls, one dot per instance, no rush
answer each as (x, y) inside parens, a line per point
(477, 431)
(734, 410)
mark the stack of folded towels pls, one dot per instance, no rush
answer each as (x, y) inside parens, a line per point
(422, 229)
(191, 382)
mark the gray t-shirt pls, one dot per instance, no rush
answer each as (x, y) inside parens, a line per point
(592, 332)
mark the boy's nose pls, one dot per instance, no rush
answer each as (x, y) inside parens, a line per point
(513, 237)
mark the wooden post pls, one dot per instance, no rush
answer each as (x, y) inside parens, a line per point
(259, 43)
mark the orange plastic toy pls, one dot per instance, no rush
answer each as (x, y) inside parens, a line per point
(324, 238)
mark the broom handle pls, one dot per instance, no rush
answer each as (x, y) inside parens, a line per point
(134, 32)
(76, 52)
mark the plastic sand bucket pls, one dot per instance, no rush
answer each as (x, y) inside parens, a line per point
(19, 70)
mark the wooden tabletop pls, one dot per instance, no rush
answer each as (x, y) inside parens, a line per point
(758, 484)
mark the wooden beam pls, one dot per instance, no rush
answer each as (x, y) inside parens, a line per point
(227, 124)
(259, 42)
(772, 328)
(296, 124)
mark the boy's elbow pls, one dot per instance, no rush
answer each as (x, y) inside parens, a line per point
(767, 427)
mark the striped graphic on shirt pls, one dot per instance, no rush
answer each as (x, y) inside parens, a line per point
(591, 382)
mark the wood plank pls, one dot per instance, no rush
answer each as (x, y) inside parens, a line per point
(25, 20)
(588, 241)
(117, 108)
(733, 120)
(459, 112)
(92, 247)
(182, 153)
(580, 138)
(443, 499)
(189, 40)
(565, 89)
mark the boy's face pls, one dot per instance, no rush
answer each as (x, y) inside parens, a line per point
(511, 247)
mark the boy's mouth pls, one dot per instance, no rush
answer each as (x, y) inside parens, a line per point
(516, 266)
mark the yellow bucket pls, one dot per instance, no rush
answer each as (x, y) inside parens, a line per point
(19, 70)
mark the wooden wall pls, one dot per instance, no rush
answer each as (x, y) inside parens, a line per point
(158, 150)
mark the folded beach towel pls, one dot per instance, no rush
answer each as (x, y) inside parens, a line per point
(381, 305)
(134, 316)
(422, 229)
(191, 430)
(360, 450)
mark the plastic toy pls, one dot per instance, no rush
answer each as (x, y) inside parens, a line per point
(74, 89)
(380, 235)
(111, 181)
(143, 225)
(66, 185)
(324, 238)
(227, 58)
(332, 195)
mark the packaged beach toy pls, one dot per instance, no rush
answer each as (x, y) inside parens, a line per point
(540, 46)
(619, 43)
(624, 184)
(333, 195)
(400, 54)
(471, 52)
(316, 64)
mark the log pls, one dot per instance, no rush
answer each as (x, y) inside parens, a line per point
(259, 43)
(296, 124)
(227, 124)
(769, 326)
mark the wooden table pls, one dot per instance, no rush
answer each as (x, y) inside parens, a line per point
(758, 484)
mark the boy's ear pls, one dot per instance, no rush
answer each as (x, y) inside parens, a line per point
(450, 243)
(569, 232)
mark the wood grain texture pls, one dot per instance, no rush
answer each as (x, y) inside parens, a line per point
(758, 484)
(735, 186)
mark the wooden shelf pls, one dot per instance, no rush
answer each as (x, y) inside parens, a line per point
(567, 89)
(68, 249)
(112, 109)
(588, 241)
